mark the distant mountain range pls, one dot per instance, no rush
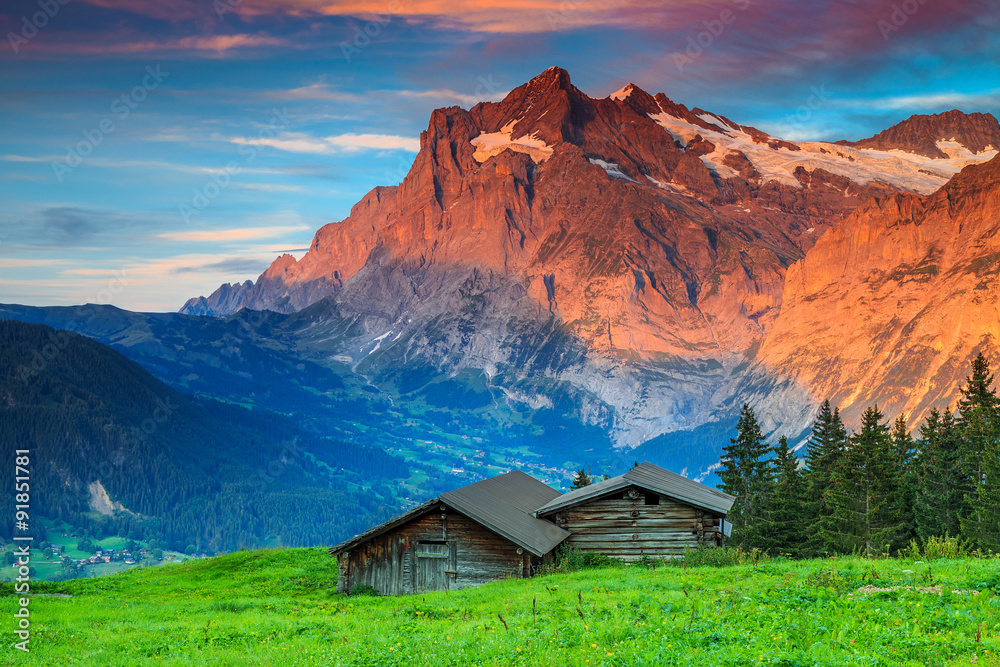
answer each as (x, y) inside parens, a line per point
(628, 249)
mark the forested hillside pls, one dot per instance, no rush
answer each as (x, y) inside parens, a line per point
(116, 451)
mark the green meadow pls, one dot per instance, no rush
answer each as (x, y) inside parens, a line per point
(278, 607)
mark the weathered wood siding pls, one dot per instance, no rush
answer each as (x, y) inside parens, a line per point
(623, 526)
(431, 553)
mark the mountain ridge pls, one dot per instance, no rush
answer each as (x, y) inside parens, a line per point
(921, 133)
(653, 237)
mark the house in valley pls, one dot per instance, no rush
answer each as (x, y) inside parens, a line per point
(508, 525)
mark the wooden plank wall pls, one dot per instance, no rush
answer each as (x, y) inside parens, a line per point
(388, 564)
(623, 526)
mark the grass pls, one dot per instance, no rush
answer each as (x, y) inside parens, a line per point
(278, 607)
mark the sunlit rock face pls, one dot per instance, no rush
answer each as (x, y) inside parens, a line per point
(628, 247)
(891, 305)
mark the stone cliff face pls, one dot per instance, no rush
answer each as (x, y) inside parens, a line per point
(627, 246)
(890, 305)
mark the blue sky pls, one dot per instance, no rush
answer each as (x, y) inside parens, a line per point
(150, 151)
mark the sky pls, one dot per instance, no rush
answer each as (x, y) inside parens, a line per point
(151, 150)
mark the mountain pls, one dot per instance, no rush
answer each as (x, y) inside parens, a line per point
(226, 299)
(116, 451)
(942, 135)
(626, 254)
(890, 305)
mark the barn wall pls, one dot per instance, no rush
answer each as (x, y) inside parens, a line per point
(389, 562)
(623, 526)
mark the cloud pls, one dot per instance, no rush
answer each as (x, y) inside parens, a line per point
(219, 45)
(67, 225)
(244, 234)
(354, 142)
(222, 43)
(79, 229)
(108, 163)
(299, 142)
(241, 265)
(270, 187)
(318, 91)
(494, 16)
(936, 101)
(9, 157)
(448, 94)
(12, 263)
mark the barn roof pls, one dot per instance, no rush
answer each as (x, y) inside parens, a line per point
(651, 477)
(503, 504)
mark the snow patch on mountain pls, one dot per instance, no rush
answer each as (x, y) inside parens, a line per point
(904, 170)
(622, 93)
(489, 144)
(614, 170)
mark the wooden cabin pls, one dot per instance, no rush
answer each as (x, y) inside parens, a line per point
(648, 511)
(482, 532)
(506, 526)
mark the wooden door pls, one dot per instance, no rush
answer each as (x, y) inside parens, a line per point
(433, 559)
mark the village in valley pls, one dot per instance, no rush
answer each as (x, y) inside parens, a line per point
(63, 552)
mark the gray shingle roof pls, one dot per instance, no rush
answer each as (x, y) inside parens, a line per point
(651, 477)
(503, 504)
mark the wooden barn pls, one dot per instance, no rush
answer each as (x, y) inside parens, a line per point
(506, 526)
(648, 511)
(479, 533)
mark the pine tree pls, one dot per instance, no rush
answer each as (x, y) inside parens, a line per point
(977, 416)
(787, 502)
(823, 451)
(903, 451)
(747, 476)
(581, 479)
(864, 489)
(940, 483)
(986, 505)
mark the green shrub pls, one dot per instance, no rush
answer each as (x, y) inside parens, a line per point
(721, 557)
(570, 559)
(939, 547)
(829, 578)
(363, 589)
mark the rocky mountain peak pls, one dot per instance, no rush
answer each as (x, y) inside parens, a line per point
(548, 108)
(938, 135)
(226, 299)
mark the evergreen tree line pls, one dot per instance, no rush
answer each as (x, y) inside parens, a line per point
(875, 490)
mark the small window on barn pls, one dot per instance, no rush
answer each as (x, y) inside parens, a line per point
(432, 549)
(652, 499)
